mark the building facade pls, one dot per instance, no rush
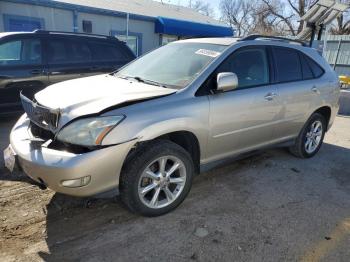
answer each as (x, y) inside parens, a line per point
(143, 24)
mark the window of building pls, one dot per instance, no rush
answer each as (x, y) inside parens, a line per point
(166, 39)
(132, 42)
(20, 52)
(288, 64)
(17, 23)
(87, 26)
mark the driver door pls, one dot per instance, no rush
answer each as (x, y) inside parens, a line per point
(243, 119)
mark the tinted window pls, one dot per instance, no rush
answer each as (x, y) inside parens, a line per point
(250, 65)
(108, 52)
(68, 51)
(307, 73)
(58, 51)
(21, 52)
(287, 64)
(79, 51)
(316, 69)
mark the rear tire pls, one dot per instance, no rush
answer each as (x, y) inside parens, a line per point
(156, 178)
(310, 138)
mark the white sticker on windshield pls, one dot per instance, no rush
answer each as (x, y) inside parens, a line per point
(207, 52)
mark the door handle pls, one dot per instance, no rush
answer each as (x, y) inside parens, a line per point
(55, 73)
(270, 96)
(315, 90)
(36, 72)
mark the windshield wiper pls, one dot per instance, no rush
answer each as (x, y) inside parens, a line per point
(146, 81)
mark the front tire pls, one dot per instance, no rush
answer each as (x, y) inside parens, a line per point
(156, 178)
(310, 138)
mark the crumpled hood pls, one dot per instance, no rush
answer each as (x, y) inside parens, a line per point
(93, 94)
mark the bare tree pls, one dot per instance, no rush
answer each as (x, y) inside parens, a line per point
(289, 13)
(239, 14)
(201, 7)
(342, 24)
(274, 17)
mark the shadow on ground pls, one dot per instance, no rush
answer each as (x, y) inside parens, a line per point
(251, 208)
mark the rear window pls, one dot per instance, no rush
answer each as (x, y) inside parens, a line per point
(316, 69)
(307, 72)
(105, 51)
(287, 64)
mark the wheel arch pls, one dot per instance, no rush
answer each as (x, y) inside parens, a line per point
(326, 112)
(184, 138)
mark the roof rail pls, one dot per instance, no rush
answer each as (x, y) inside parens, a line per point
(276, 38)
(40, 31)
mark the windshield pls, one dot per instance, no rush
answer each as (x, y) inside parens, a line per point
(174, 65)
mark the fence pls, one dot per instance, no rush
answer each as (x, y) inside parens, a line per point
(337, 51)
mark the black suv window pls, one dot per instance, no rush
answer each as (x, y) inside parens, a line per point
(58, 51)
(20, 52)
(250, 65)
(105, 51)
(68, 51)
(288, 64)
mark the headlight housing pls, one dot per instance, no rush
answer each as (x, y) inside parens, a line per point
(88, 131)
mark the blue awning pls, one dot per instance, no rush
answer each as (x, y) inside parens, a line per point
(187, 28)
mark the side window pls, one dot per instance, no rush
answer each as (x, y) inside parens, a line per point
(307, 73)
(80, 52)
(287, 64)
(68, 51)
(58, 51)
(316, 69)
(107, 52)
(21, 52)
(250, 65)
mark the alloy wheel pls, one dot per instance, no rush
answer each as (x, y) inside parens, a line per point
(313, 137)
(162, 182)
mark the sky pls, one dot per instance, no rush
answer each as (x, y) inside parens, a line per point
(213, 3)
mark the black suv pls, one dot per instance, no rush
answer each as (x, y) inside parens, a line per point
(30, 61)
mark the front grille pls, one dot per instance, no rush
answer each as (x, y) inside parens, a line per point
(43, 117)
(41, 133)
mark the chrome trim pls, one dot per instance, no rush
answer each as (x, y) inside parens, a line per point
(44, 117)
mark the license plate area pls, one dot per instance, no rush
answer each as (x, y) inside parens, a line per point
(9, 158)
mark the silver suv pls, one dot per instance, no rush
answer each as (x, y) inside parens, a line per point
(148, 128)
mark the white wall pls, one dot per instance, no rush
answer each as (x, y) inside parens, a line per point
(55, 19)
(104, 24)
(62, 20)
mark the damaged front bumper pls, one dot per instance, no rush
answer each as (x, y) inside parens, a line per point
(83, 174)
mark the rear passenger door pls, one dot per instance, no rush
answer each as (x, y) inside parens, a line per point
(68, 58)
(298, 93)
(108, 55)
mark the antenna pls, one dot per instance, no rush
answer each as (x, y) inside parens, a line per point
(321, 14)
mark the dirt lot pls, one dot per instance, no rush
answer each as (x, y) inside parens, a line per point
(268, 207)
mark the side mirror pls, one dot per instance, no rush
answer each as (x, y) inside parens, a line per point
(226, 81)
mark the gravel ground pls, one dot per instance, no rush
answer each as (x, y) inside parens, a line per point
(268, 207)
